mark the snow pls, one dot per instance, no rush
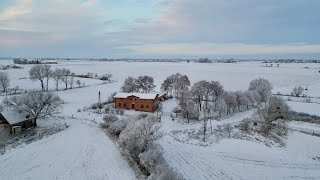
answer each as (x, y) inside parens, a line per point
(310, 108)
(240, 159)
(138, 95)
(82, 151)
(14, 117)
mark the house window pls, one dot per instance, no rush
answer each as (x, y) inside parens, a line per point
(131, 99)
(119, 104)
(147, 106)
(124, 105)
(142, 106)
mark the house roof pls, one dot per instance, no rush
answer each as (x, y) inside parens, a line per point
(13, 117)
(139, 95)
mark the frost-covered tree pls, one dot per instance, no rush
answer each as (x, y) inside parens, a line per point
(106, 77)
(187, 105)
(297, 91)
(145, 84)
(217, 89)
(167, 85)
(221, 106)
(47, 74)
(140, 135)
(38, 73)
(175, 83)
(231, 101)
(198, 91)
(129, 85)
(276, 108)
(4, 81)
(71, 80)
(37, 104)
(263, 87)
(66, 73)
(78, 82)
(57, 77)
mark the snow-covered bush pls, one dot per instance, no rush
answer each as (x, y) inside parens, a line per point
(139, 135)
(297, 91)
(108, 120)
(154, 162)
(245, 124)
(118, 126)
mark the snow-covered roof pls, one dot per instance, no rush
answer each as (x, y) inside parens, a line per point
(139, 95)
(13, 117)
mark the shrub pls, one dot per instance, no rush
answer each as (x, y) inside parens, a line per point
(117, 127)
(110, 118)
(245, 125)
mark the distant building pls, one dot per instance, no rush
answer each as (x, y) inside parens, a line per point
(49, 62)
(145, 102)
(16, 121)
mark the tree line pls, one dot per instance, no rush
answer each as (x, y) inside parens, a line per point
(44, 73)
(210, 96)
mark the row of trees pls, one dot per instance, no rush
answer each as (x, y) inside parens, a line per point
(4, 81)
(143, 84)
(210, 97)
(44, 73)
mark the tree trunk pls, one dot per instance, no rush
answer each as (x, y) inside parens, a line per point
(47, 84)
(57, 86)
(35, 122)
(42, 85)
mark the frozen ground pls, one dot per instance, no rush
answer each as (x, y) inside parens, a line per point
(83, 151)
(240, 159)
(310, 108)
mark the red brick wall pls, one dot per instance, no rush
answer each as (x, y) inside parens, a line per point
(147, 104)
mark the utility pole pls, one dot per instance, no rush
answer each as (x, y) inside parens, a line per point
(99, 102)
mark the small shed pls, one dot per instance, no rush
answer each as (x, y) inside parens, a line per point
(15, 120)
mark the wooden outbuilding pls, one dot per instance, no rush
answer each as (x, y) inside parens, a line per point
(145, 102)
(16, 121)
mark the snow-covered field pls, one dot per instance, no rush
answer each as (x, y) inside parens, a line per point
(83, 151)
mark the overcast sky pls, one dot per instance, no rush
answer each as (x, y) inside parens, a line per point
(160, 28)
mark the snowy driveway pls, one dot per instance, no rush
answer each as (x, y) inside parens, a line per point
(82, 151)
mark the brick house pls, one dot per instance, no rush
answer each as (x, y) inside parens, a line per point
(146, 102)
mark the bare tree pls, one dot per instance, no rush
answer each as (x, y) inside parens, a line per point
(106, 77)
(187, 105)
(71, 80)
(129, 85)
(65, 76)
(297, 91)
(263, 87)
(231, 102)
(221, 106)
(57, 77)
(78, 82)
(198, 91)
(36, 104)
(167, 85)
(38, 73)
(4, 81)
(145, 83)
(183, 83)
(47, 74)
(276, 108)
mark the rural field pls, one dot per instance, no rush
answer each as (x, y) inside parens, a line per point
(84, 151)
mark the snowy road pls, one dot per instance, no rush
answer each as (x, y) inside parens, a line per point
(82, 151)
(240, 159)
